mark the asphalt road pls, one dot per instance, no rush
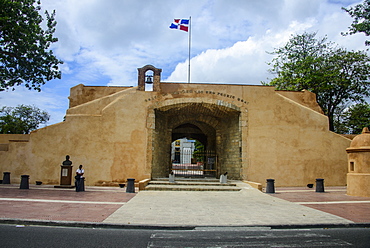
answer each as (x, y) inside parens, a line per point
(42, 236)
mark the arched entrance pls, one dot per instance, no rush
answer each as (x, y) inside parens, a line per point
(193, 150)
(213, 123)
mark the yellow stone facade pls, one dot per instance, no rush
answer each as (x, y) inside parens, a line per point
(358, 177)
(125, 132)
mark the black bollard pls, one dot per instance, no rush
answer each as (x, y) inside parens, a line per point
(270, 187)
(130, 185)
(24, 182)
(80, 184)
(6, 178)
(320, 185)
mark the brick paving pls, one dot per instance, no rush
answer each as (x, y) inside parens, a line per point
(114, 205)
(334, 201)
(48, 203)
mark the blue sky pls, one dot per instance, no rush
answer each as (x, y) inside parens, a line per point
(103, 42)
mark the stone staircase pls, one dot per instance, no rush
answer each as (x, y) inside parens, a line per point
(185, 184)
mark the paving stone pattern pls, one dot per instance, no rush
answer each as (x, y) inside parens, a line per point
(334, 201)
(246, 207)
(46, 203)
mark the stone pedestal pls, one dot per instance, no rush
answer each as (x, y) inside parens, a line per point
(65, 177)
(358, 184)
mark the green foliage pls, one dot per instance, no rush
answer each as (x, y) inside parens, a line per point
(22, 119)
(198, 146)
(299, 63)
(335, 75)
(25, 57)
(353, 119)
(361, 21)
(198, 153)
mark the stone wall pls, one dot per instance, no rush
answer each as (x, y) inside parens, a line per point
(80, 94)
(229, 146)
(258, 134)
(161, 147)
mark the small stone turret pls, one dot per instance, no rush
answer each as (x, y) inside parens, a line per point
(358, 176)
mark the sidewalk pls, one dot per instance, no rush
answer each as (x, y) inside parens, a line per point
(112, 206)
(333, 201)
(47, 203)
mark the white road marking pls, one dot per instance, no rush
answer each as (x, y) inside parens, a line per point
(61, 201)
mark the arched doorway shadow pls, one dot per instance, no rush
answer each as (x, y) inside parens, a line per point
(215, 125)
(193, 150)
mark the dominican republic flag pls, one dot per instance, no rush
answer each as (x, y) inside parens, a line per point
(182, 24)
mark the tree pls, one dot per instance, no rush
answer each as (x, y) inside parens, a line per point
(335, 75)
(22, 119)
(198, 153)
(299, 62)
(353, 119)
(361, 22)
(25, 57)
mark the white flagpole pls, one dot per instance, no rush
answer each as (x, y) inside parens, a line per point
(189, 48)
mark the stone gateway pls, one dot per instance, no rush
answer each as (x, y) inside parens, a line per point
(254, 133)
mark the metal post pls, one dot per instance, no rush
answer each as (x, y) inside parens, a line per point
(189, 48)
(24, 182)
(270, 187)
(6, 178)
(320, 185)
(130, 185)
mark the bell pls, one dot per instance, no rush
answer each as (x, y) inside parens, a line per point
(149, 80)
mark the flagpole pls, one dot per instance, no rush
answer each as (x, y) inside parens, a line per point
(189, 48)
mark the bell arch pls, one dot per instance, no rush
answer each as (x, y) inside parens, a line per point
(213, 122)
(156, 77)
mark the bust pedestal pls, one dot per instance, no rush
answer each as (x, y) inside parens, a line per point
(65, 177)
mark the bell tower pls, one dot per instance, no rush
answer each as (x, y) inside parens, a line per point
(144, 78)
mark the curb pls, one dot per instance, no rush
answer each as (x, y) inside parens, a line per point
(89, 224)
(170, 227)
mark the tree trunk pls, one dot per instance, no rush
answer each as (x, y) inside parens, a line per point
(331, 122)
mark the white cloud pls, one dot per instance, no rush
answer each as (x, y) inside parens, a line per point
(242, 63)
(103, 42)
(245, 62)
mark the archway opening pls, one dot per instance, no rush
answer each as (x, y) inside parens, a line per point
(149, 76)
(214, 125)
(189, 154)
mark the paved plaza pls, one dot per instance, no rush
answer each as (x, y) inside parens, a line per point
(247, 207)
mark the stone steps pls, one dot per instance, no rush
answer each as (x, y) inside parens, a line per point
(188, 179)
(191, 185)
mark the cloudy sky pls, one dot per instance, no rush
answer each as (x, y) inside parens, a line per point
(103, 42)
